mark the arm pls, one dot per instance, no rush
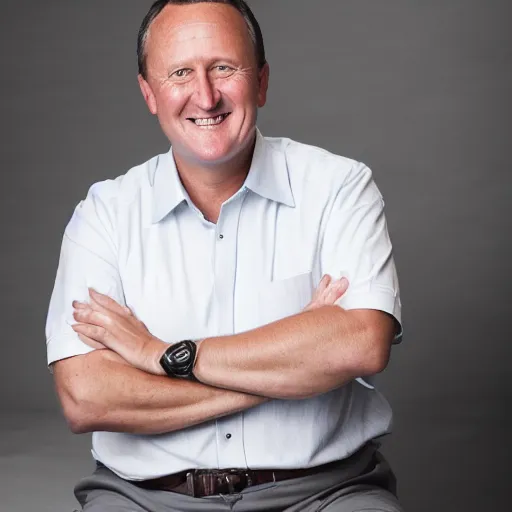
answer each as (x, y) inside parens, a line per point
(299, 356)
(101, 391)
(316, 351)
(98, 389)
(104, 391)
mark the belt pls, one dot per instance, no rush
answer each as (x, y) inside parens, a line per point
(207, 482)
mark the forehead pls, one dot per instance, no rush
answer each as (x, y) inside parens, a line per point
(209, 24)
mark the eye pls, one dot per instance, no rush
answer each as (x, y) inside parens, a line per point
(222, 70)
(181, 73)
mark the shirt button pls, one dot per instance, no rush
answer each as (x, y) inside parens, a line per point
(221, 236)
(228, 436)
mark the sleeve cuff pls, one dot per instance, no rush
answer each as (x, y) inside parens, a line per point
(381, 300)
(62, 347)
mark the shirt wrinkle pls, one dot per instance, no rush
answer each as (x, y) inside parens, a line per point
(302, 213)
(74, 242)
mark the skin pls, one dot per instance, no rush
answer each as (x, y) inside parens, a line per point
(297, 357)
(103, 391)
(103, 323)
(201, 63)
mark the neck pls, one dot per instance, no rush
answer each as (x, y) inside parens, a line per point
(210, 186)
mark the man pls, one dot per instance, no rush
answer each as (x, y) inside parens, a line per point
(190, 327)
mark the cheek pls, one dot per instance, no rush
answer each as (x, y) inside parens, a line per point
(239, 90)
(172, 99)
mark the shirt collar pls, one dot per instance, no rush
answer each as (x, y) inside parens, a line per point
(267, 177)
(168, 191)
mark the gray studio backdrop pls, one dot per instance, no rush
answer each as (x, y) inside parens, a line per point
(418, 90)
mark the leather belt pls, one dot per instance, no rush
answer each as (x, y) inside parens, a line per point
(208, 482)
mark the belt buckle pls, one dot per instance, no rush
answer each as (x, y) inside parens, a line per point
(231, 484)
(238, 478)
(211, 482)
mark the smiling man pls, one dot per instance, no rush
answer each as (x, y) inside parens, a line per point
(219, 310)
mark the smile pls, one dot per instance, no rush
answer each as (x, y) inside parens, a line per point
(209, 121)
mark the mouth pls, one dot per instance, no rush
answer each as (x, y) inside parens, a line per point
(209, 121)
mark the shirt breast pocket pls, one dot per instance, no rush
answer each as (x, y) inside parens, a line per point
(280, 298)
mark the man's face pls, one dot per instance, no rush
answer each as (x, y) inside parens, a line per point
(203, 82)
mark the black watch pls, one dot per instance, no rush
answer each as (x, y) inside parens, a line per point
(178, 360)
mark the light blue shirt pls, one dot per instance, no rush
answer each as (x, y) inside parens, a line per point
(302, 212)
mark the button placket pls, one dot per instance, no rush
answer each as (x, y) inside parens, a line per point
(229, 429)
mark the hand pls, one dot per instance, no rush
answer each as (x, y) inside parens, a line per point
(327, 292)
(103, 323)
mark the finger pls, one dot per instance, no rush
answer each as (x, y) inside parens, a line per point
(93, 305)
(94, 332)
(104, 317)
(336, 290)
(108, 306)
(92, 343)
(318, 295)
(322, 286)
(343, 284)
(117, 326)
(87, 315)
(108, 303)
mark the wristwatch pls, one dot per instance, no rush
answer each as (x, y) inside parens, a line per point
(178, 360)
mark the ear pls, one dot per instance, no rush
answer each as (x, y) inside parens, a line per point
(148, 95)
(263, 77)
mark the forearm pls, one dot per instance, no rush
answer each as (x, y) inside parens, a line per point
(99, 391)
(296, 357)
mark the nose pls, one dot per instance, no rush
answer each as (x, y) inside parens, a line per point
(207, 94)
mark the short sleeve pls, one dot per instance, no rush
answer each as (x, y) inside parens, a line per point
(356, 244)
(87, 260)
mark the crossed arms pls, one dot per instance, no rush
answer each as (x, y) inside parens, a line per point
(121, 388)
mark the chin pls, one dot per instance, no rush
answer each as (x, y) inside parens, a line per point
(213, 155)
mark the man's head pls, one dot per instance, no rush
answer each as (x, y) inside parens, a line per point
(202, 71)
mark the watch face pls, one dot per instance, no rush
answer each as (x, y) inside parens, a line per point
(182, 355)
(178, 360)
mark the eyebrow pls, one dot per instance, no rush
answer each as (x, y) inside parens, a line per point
(188, 63)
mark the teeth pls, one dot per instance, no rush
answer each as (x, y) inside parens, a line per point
(210, 121)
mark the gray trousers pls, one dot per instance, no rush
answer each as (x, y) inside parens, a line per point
(364, 482)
